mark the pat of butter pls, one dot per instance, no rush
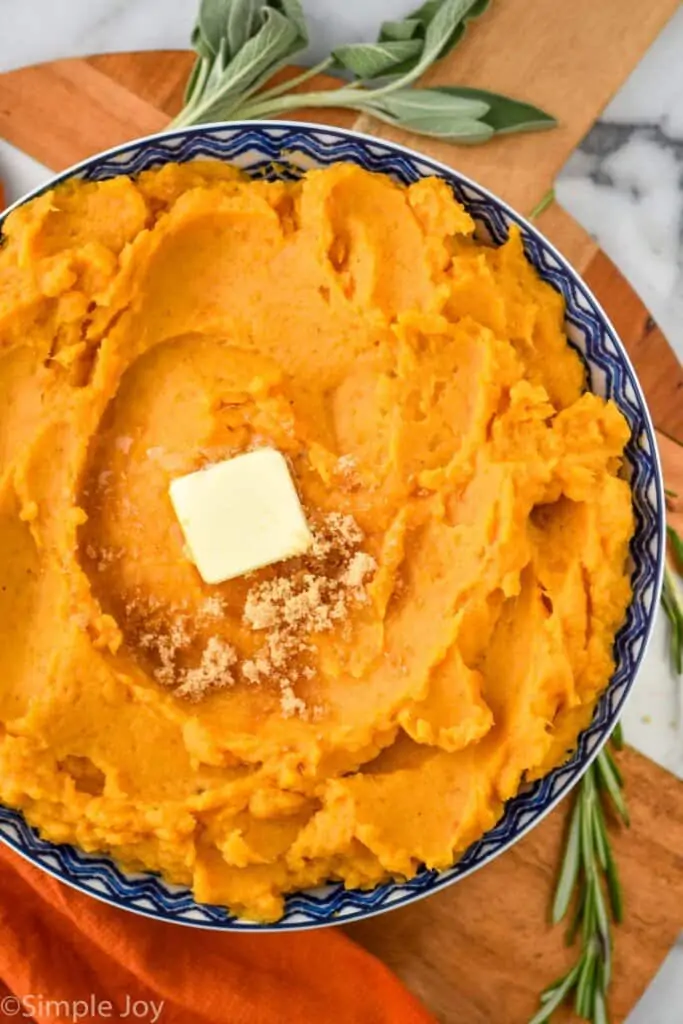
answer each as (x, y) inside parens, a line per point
(240, 515)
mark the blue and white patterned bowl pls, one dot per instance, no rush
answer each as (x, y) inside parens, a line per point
(286, 150)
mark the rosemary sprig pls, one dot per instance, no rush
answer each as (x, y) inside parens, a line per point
(672, 602)
(589, 881)
(544, 202)
(240, 44)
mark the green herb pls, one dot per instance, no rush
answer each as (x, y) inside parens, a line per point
(240, 44)
(589, 881)
(544, 202)
(672, 601)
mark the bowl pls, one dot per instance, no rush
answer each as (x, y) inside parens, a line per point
(286, 150)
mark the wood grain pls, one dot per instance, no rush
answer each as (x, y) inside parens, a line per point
(67, 110)
(478, 952)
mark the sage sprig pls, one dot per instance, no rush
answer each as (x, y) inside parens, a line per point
(240, 44)
(589, 885)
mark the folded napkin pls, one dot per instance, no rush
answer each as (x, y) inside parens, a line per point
(67, 957)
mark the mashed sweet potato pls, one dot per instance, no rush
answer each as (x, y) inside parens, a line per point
(245, 739)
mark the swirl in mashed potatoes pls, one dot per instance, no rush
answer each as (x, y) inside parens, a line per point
(369, 707)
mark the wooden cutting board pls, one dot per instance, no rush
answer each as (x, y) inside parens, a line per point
(481, 951)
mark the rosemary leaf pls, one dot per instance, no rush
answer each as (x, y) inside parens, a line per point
(577, 917)
(677, 545)
(614, 888)
(600, 836)
(559, 992)
(585, 984)
(672, 602)
(607, 755)
(589, 870)
(599, 1015)
(569, 871)
(610, 783)
(617, 737)
(603, 930)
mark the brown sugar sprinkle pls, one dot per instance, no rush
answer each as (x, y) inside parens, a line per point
(360, 566)
(212, 607)
(213, 671)
(167, 644)
(124, 444)
(289, 609)
(346, 471)
(286, 609)
(103, 557)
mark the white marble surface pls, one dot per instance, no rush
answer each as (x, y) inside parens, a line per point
(624, 184)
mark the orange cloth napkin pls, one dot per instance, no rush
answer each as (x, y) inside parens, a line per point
(58, 944)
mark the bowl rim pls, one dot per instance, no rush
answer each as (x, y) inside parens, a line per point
(446, 172)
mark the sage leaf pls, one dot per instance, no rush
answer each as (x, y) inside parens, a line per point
(438, 24)
(444, 23)
(408, 105)
(199, 44)
(218, 67)
(504, 115)
(197, 80)
(463, 130)
(242, 43)
(428, 112)
(242, 20)
(212, 19)
(294, 11)
(270, 48)
(376, 60)
(399, 31)
(479, 8)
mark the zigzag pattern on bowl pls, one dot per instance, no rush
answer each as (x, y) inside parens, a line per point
(287, 151)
